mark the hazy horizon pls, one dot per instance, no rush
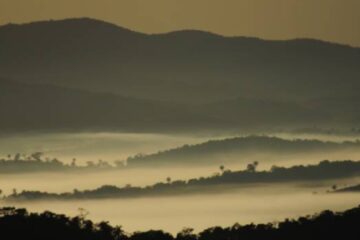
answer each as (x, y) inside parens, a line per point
(328, 20)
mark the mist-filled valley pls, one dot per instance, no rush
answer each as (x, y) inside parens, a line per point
(186, 135)
(143, 159)
(202, 156)
(260, 205)
(92, 146)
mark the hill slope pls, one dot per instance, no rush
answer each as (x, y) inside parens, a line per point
(54, 108)
(183, 66)
(246, 149)
(207, 81)
(45, 107)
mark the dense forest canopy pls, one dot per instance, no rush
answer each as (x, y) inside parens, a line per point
(19, 224)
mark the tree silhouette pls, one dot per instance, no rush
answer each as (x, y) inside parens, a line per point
(186, 234)
(73, 163)
(37, 156)
(17, 157)
(222, 168)
(19, 224)
(251, 167)
(168, 180)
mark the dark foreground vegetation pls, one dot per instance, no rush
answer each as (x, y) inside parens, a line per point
(19, 224)
(325, 170)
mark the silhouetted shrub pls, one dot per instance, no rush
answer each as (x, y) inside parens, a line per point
(18, 224)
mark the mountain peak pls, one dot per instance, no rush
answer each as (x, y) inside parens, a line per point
(70, 24)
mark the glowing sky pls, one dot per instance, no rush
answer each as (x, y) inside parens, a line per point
(333, 20)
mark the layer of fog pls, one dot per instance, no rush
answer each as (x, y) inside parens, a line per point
(59, 182)
(258, 205)
(92, 146)
(112, 146)
(264, 204)
(63, 182)
(118, 146)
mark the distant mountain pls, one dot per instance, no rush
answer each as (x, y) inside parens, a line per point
(34, 107)
(27, 107)
(243, 150)
(183, 66)
(185, 80)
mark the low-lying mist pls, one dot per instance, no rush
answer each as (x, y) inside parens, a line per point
(92, 146)
(119, 146)
(62, 182)
(112, 146)
(261, 204)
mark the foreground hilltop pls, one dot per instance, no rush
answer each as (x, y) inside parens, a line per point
(20, 224)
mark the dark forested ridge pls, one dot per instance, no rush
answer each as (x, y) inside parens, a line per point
(218, 151)
(44, 107)
(31, 107)
(19, 224)
(207, 81)
(93, 54)
(325, 170)
(34, 107)
(354, 188)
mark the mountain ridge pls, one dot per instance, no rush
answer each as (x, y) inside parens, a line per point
(99, 22)
(95, 55)
(222, 82)
(238, 149)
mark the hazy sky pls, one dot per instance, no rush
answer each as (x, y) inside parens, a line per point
(333, 20)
